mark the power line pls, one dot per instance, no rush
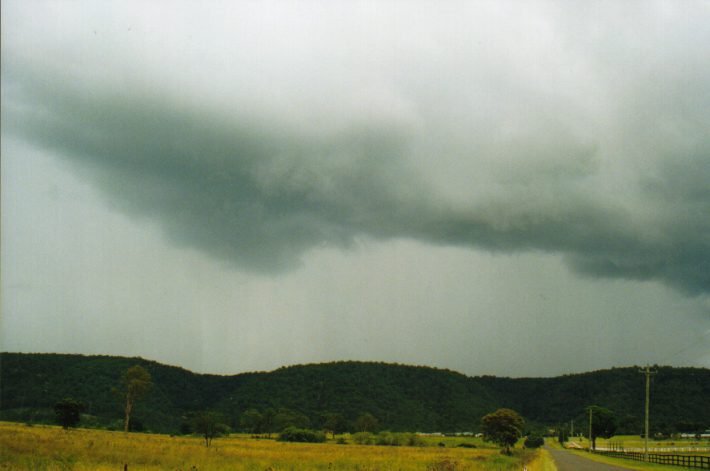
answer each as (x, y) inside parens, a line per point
(687, 347)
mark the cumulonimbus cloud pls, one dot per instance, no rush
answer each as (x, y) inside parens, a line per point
(621, 188)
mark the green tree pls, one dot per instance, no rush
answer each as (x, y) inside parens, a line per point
(366, 422)
(268, 422)
(68, 412)
(252, 421)
(209, 424)
(503, 427)
(603, 423)
(286, 418)
(334, 422)
(534, 440)
(293, 434)
(136, 381)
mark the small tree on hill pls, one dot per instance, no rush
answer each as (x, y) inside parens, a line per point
(68, 412)
(136, 381)
(503, 427)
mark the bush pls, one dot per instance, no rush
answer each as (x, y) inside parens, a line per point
(363, 438)
(412, 439)
(136, 425)
(293, 434)
(467, 445)
(341, 441)
(388, 439)
(534, 441)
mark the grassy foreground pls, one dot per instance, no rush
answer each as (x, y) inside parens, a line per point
(51, 448)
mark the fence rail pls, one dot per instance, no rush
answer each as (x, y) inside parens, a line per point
(619, 446)
(687, 461)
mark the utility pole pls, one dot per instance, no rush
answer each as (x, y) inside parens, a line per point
(590, 428)
(647, 371)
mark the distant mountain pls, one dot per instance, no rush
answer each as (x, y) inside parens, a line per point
(402, 397)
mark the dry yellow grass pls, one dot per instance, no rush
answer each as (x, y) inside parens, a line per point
(542, 461)
(51, 448)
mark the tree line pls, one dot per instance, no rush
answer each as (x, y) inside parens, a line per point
(137, 381)
(504, 426)
(401, 398)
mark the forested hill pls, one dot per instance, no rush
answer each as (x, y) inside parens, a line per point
(400, 397)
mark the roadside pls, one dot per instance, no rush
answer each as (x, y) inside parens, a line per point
(616, 463)
(543, 462)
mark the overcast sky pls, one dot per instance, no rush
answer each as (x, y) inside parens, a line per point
(509, 188)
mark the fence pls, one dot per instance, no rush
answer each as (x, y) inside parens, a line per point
(687, 461)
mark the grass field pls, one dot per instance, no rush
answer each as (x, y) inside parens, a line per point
(50, 448)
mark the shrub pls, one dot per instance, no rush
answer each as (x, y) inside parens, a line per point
(363, 438)
(293, 434)
(534, 441)
(388, 439)
(412, 439)
(467, 445)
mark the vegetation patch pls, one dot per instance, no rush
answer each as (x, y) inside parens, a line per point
(293, 434)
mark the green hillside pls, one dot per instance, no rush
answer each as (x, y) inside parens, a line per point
(401, 397)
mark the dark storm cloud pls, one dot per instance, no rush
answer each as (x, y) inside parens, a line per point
(620, 191)
(245, 192)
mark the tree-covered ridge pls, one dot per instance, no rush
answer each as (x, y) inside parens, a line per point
(402, 398)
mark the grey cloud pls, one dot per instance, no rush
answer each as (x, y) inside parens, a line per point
(250, 188)
(258, 197)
